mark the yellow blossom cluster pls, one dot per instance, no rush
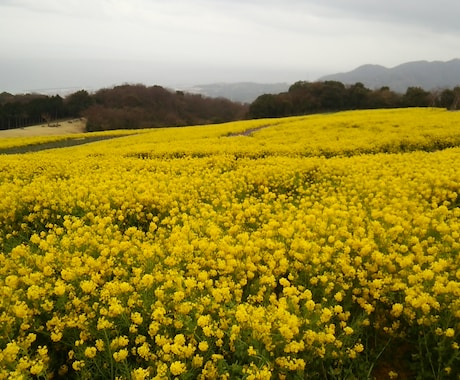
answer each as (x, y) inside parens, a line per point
(338, 134)
(201, 253)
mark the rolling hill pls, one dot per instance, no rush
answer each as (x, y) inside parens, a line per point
(424, 74)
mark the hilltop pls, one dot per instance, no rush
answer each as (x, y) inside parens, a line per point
(424, 74)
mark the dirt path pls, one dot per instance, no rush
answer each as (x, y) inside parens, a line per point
(55, 144)
(249, 132)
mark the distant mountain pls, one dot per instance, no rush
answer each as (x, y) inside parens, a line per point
(244, 92)
(424, 74)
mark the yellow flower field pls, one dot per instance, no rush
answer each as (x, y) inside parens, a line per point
(314, 247)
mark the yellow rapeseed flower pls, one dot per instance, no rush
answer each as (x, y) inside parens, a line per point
(177, 368)
(120, 355)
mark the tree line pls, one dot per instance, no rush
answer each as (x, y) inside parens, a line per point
(313, 97)
(23, 110)
(121, 107)
(139, 106)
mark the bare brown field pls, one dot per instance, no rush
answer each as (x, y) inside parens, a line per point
(61, 128)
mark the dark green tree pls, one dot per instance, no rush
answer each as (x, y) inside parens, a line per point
(269, 105)
(416, 97)
(304, 97)
(77, 102)
(357, 96)
(446, 98)
(384, 98)
(332, 96)
(456, 102)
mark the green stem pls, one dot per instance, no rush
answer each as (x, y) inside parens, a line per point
(112, 374)
(368, 376)
(428, 351)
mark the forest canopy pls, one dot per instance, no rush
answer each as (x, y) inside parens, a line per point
(314, 97)
(121, 107)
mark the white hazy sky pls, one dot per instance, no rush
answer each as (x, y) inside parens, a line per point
(55, 44)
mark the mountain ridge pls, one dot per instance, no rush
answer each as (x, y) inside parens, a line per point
(429, 75)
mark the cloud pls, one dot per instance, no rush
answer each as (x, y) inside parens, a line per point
(299, 39)
(437, 16)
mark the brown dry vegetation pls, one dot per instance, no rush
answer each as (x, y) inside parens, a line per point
(59, 128)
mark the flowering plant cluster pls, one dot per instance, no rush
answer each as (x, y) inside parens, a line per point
(33, 141)
(199, 253)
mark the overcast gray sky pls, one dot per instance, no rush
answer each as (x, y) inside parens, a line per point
(49, 44)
